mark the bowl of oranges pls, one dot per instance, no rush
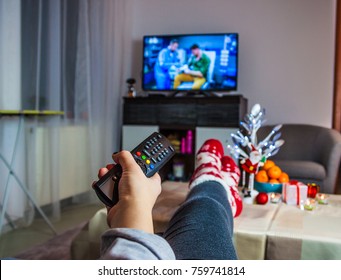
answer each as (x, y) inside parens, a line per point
(270, 178)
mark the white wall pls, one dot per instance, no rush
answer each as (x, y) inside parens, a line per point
(286, 48)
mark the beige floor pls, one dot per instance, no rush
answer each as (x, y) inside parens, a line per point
(17, 240)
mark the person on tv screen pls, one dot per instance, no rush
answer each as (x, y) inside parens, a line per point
(196, 69)
(168, 60)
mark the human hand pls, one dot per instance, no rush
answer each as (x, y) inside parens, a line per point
(183, 68)
(187, 70)
(137, 195)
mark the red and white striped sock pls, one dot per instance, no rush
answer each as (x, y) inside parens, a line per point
(231, 175)
(207, 168)
(212, 165)
(208, 163)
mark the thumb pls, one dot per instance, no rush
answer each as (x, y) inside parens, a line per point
(126, 160)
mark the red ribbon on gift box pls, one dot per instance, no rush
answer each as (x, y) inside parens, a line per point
(284, 192)
(298, 194)
(295, 182)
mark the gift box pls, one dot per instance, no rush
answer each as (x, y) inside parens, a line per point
(294, 192)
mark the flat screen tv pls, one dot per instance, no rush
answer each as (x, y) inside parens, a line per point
(190, 62)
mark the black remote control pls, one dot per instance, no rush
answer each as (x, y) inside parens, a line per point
(151, 155)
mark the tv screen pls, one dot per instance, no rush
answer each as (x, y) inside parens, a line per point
(190, 62)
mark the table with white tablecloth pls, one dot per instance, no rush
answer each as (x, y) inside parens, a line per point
(281, 231)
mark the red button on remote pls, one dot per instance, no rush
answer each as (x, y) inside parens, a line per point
(138, 154)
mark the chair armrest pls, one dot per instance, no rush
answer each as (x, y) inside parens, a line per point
(328, 147)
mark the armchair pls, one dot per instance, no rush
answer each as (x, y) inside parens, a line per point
(310, 154)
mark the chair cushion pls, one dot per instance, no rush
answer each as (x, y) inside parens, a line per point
(300, 169)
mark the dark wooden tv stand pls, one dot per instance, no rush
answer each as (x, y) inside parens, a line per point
(185, 112)
(205, 117)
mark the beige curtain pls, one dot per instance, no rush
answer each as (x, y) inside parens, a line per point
(71, 58)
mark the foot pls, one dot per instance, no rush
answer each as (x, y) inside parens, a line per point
(208, 163)
(230, 170)
(231, 175)
(213, 147)
(212, 165)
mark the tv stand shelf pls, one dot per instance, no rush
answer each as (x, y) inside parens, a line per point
(187, 112)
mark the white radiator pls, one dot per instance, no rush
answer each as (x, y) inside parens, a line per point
(61, 162)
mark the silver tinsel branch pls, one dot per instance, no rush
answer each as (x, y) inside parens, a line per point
(245, 139)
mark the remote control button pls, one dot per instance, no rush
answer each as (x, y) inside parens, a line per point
(146, 153)
(159, 158)
(153, 153)
(154, 160)
(159, 136)
(138, 154)
(148, 161)
(144, 157)
(171, 148)
(151, 166)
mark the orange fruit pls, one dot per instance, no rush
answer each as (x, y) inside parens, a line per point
(268, 164)
(283, 178)
(261, 176)
(274, 172)
(274, 181)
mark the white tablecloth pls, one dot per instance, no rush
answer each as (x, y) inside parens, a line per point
(281, 231)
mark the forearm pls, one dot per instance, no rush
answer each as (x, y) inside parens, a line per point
(130, 215)
(125, 243)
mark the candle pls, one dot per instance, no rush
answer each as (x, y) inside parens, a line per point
(309, 204)
(274, 197)
(322, 198)
(313, 189)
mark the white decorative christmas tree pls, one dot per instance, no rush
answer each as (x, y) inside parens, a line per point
(250, 153)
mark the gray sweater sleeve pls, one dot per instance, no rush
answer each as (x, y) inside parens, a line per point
(133, 244)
